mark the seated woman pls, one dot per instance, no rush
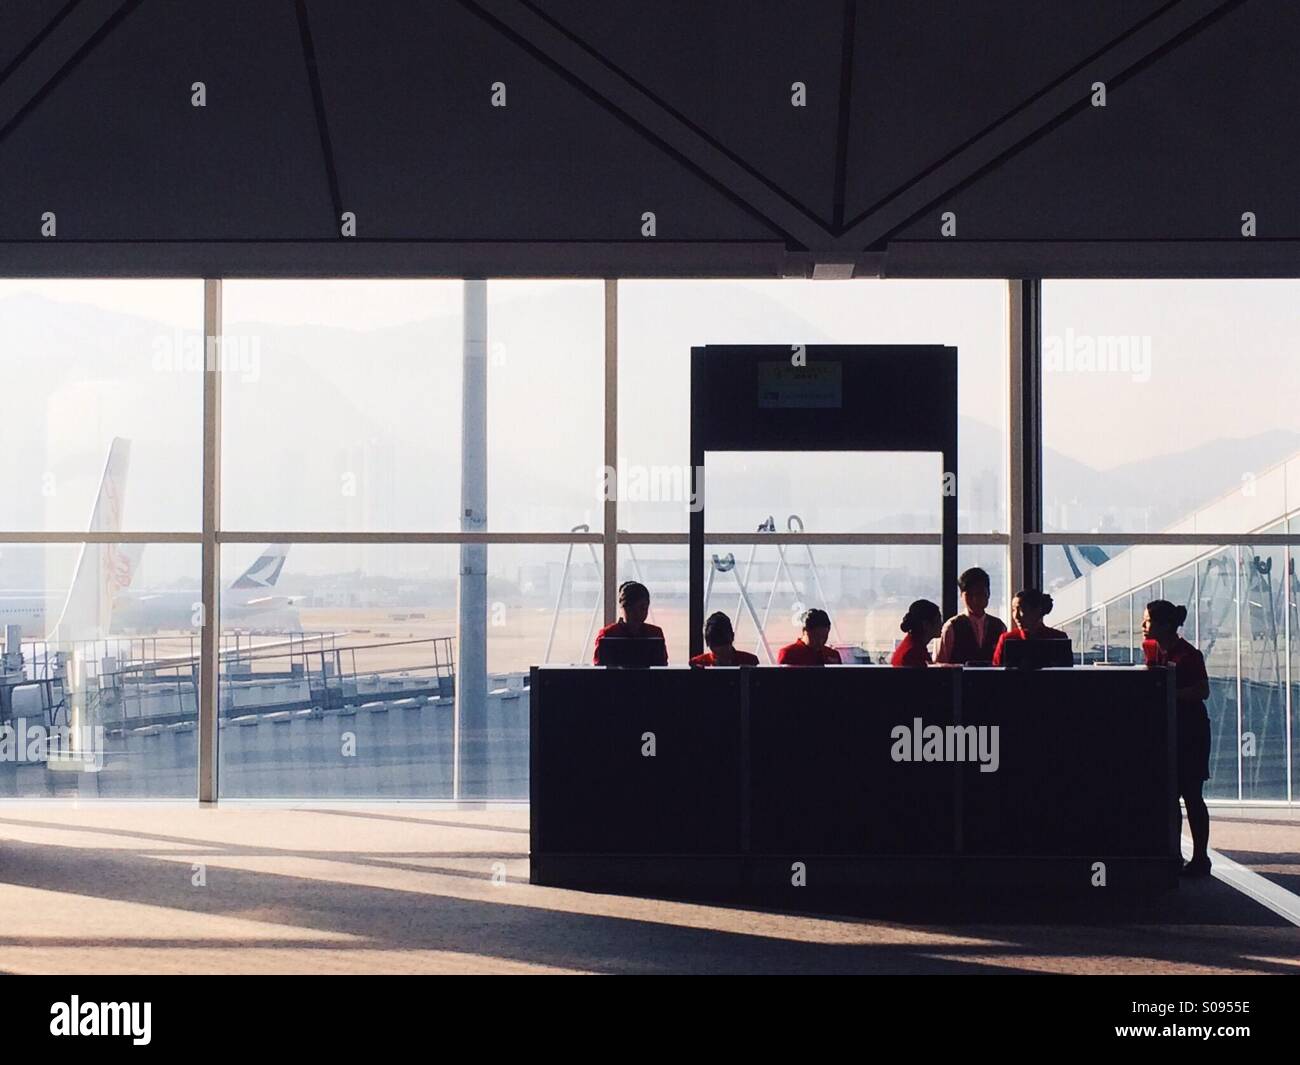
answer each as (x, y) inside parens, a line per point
(1028, 609)
(634, 605)
(921, 624)
(1162, 646)
(719, 636)
(810, 649)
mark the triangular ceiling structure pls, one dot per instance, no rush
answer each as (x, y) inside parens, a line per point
(678, 109)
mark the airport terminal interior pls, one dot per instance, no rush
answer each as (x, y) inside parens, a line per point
(353, 369)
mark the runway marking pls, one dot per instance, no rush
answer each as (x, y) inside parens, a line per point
(1264, 891)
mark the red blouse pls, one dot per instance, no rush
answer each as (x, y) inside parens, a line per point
(1019, 634)
(619, 629)
(743, 658)
(1189, 668)
(801, 654)
(910, 652)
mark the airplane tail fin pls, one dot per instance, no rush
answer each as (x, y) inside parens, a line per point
(103, 570)
(264, 572)
(1089, 558)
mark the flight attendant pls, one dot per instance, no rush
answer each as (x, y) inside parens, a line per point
(634, 605)
(719, 636)
(1162, 646)
(921, 624)
(1028, 609)
(971, 636)
(810, 649)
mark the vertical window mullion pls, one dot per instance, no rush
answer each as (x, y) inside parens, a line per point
(1031, 496)
(210, 634)
(1287, 636)
(610, 530)
(1015, 437)
(1240, 717)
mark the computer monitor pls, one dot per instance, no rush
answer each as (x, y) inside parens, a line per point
(1037, 654)
(634, 651)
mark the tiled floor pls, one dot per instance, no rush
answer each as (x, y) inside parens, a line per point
(1264, 840)
(109, 888)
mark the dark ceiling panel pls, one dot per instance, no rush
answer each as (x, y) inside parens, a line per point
(678, 107)
(118, 153)
(422, 153)
(728, 68)
(21, 23)
(1173, 155)
(931, 74)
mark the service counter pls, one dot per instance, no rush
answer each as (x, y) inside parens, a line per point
(762, 782)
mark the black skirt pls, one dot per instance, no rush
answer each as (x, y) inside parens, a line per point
(1193, 746)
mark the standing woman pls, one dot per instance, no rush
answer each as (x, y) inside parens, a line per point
(972, 635)
(1028, 609)
(922, 623)
(1162, 646)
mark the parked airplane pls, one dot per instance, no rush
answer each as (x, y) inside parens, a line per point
(100, 601)
(248, 602)
(32, 610)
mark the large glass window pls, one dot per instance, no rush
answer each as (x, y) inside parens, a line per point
(765, 588)
(100, 684)
(352, 695)
(342, 407)
(1169, 408)
(101, 405)
(1262, 624)
(546, 405)
(1292, 588)
(836, 492)
(660, 321)
(1169, 405)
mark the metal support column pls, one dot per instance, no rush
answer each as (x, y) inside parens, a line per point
(470, 777)
(610, 545)
(1025, 466)
(210, 561)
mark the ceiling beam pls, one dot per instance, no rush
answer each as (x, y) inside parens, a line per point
(602, 82)
(1070, 94)
(71, 36)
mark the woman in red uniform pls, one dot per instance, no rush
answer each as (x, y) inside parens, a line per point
(810, 649)
(1028, 609)
(634, 604)
(921, 624)
(719, 637)
(1162, 646)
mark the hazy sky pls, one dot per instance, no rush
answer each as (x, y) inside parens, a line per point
(1224, 362)
(359, 374)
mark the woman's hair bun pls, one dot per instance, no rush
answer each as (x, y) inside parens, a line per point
(918, 612)
(1163, 612)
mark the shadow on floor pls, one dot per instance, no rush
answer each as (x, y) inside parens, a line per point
(1206, 923)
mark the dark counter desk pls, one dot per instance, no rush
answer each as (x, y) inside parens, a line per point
(741, 782)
